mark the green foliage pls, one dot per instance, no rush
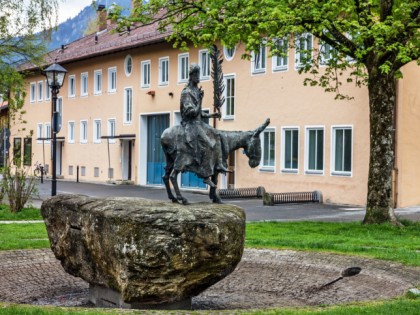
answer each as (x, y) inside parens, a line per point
(379, 35)
(29, 213)
(24, 24)
(383, 241)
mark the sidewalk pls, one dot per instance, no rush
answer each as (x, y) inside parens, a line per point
(254, 208)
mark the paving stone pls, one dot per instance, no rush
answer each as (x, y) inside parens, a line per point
(263, 279)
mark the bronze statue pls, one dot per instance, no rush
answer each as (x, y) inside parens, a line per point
(196, 147)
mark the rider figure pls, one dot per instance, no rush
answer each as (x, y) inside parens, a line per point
(202, 139)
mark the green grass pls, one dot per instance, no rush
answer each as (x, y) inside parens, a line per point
(398, 306)
(26, 214)
(23, 236)
(377, 241)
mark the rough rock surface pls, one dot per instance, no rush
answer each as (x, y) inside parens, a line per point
(150, 251)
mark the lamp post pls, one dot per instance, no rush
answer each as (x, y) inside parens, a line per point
(55, 77)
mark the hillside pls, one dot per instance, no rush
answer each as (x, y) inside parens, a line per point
(73, 28)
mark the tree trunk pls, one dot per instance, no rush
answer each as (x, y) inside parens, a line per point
(382, 99)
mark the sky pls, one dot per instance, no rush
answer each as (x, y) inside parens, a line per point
(70, 8)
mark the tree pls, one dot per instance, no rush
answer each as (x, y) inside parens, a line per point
(24, 24)
(370, 39)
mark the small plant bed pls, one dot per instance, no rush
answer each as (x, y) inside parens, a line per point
(29, 213)
(384, 241)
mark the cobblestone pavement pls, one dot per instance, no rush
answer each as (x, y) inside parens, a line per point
(263, 279)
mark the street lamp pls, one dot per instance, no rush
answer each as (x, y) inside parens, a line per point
(55, 77)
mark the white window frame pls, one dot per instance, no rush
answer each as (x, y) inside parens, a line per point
(205, 64)
(227, 95)
(334, 128)
(326, 52)
(164, 71)
(71, 128)
(72, 86)
(128, 61)
(97, 130)
(228, 54)
(40, 91)
(285, 169)
(97, 86)
(308, 171)
(39, 132)
(47, 131)
(84, 78)
(259, 60)
(32, 92)
(83, 131)
(128, 107)
(145, 78)
(112, 130)
(183, 67)
(47, 91)
(263, 167)
(281, 63)
(298, 54)
(112, 80)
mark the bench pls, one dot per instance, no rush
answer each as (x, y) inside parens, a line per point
(270, 199)
(237, 193)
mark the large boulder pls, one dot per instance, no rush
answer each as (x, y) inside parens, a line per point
(149, 252)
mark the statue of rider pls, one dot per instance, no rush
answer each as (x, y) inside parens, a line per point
(204, 142)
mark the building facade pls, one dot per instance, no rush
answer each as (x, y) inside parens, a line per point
(122, 90)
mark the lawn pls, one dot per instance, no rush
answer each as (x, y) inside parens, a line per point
(376, 241)
(26, 214)
(23, 236)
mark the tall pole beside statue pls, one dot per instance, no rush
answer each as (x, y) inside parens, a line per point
(55, 78)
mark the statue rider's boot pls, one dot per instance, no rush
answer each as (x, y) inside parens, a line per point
(222, 169)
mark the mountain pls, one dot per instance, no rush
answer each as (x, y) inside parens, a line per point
(73, 28)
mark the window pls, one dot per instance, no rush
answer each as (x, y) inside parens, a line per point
(27, 151)
(47, 92)
(290, 150)
(183, 64)
(39, 132)
(204, 63)
(342, 143)
(303, 54)
(97, 82)
(32, 92)
(314, 150)
(229, 53)
(40, 90)
(145, 74)
(84, 84)
(83, 131)
(47, 132)
(112, 80)
(71, 132)
(280, 60)
(128, 65)
(164, 71)
(269, 149)
(327, 53)
(259, 60)
(17, 151)
(72, 86)
(111, 130)
(229, 97)
(128, 105)
(96, 131)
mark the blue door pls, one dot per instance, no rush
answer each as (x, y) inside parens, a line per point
(190, 180)
(156, 124)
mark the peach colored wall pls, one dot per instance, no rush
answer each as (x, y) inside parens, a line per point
(408, 131)
(280, 96)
